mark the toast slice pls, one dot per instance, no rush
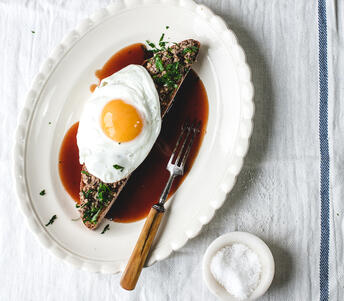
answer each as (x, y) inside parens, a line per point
(168, 68)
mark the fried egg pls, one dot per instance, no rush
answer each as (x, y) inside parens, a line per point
(119, 124)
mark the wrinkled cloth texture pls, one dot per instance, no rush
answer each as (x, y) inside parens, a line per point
(277, 195)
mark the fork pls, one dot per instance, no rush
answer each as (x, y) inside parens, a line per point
(175, 166)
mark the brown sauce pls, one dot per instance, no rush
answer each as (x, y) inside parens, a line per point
(69, 166)
(132, 54)
(148, 180)
(145, 185)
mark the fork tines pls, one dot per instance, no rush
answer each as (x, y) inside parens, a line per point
(184, 143)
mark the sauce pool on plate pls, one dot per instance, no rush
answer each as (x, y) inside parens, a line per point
(69, 166)
(132, 54)
(148, 180)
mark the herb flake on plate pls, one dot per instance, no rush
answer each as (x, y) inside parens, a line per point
(51, 221)
(107, 227)
(116, 166)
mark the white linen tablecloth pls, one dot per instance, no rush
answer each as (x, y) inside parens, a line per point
(277, 196)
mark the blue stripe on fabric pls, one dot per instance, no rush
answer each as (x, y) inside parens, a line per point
(324, 153)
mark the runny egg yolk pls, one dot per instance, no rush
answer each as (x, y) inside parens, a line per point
(120, 121)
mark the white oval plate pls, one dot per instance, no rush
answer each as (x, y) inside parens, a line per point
(57, 96)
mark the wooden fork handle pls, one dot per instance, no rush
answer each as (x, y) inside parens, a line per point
(138, 257)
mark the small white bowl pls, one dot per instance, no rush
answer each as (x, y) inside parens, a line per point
(256, 245)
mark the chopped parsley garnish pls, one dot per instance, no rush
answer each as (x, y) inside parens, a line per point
(152, 45)
(80, 206)
(94, 207)
(85, 172)
(51, 221)
(49, 122)
(162, 43)
(33, 31)
(107, 227)
(159, 64)
(171, 77)
(169, 70)
(167, 27)
(42, 192)
(103, 191)
(87, 194)
(94, 218)
(116, 166)
(191, 49)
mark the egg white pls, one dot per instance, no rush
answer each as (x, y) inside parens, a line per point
(133, 85)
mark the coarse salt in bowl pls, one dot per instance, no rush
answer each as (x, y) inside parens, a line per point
(241, 246)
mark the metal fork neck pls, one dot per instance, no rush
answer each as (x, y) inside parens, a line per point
(167, 189)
